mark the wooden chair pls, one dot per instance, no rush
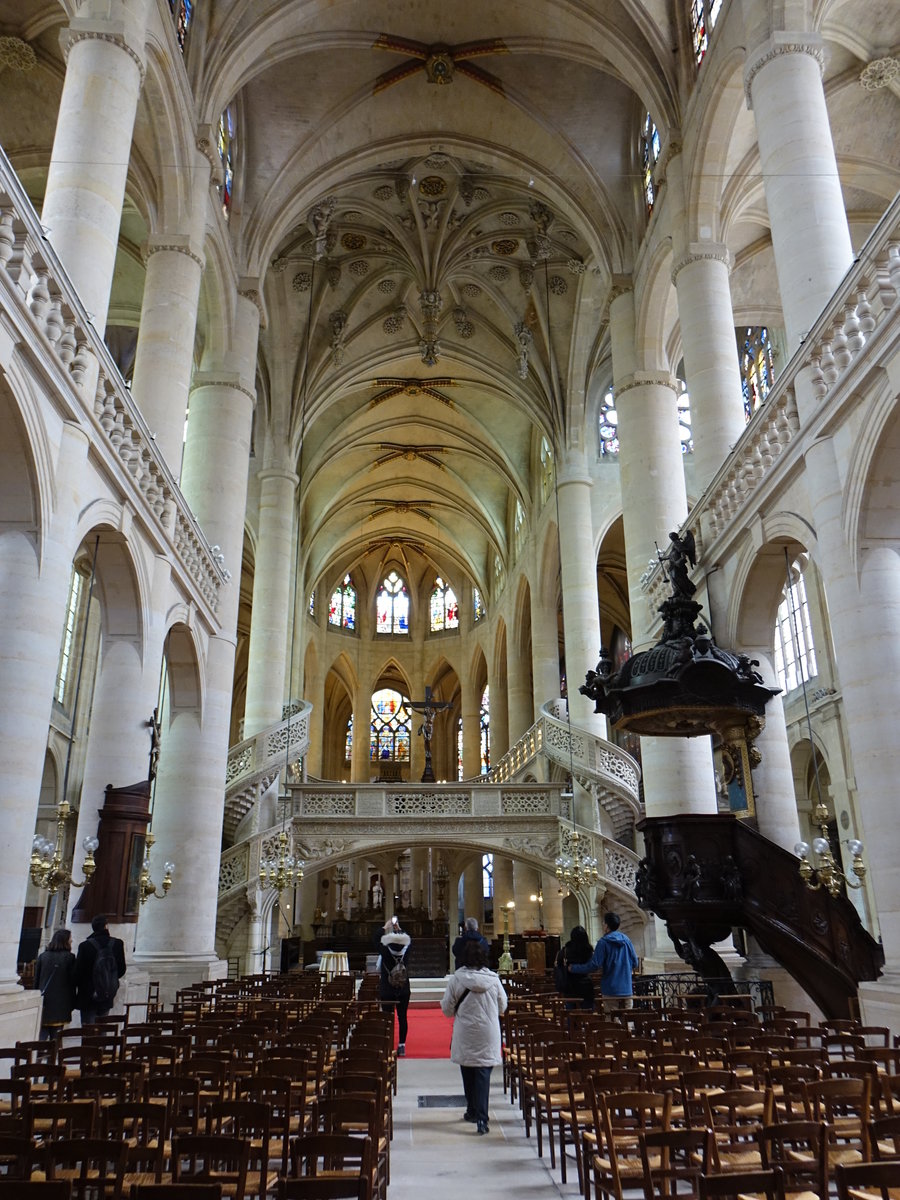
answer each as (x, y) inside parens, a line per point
(31, 1189)
(739, 1185)
(89, 1165)
(884, 1138)
(247, 1119)
(142, 1127)
(736, 1117)
(787, 1089)
(624, 1116)
(361, 1117)
(858, 1181)
(673, 1161)
(334, 1156)
(18, 1156)
(546, 1090)
(177, 1191)
(697, 1083)
(799, 1149)
(199, 1158)
(845, 1106)
(312, 1187)
(49, 1120)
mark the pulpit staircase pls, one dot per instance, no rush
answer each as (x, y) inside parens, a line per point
(707, 875)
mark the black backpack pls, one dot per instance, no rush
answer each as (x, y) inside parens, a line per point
(105, 976)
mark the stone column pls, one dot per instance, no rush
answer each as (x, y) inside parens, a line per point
(710, 355)
(810, 235)
(499, 710)
(473, 894)
(104, 49)
(363, 769)
(33, 593)
(313, 690)
(165, 346)
(773, 780)
(581, 607)
(271, 613)
(471, 708)
(519, 691)
(504, 890)
(177, 938)
(544, 650)
(678, 772)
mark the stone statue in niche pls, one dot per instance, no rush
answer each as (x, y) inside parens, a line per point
(646, 884)
(693, 879)
(682, 552)
(732, 888)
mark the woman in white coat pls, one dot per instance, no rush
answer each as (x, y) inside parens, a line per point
(475, 998)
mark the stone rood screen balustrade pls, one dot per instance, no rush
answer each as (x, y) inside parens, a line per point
(41, 302)
(611, 775)
(862, 312)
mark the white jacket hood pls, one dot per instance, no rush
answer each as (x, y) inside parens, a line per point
(476, 980)
(395, 941)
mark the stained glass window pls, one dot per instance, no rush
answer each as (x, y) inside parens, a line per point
(459, 748)
(392, 606)
(519, 526)
(71, 630)
(312, 604)
(477, 604)
(795, 654)
(487, 875)
(609, 425)
(444, 607)
(546, 470)
(225, 146)
(649, 155)
(684, 418)
(484, 719)
(704, 14)
(757, 366)
(389, 737)
(183, 12)
(342, 609)
(348, 741)
(498, 575)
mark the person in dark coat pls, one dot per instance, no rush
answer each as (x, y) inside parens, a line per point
(469, 934)
(394, 946)
(99, 939)
(54, 977)
(578, 949)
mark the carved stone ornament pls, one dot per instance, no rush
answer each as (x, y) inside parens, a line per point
(318, 221)
(17, 54)
(439, 68)
(879, 74)
(778, 46)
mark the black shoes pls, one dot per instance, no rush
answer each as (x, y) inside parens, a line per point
(483, 1127)
(470, 1116)
(401, 1050)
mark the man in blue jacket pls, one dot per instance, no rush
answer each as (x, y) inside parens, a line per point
(469, 934)
(615, 956)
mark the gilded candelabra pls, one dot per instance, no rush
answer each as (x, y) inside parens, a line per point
(506, 963)
(145, 883)
(825, 872)
(575, 869)
(282, 870)
(47, 870)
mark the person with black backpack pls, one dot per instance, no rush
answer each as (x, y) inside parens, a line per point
(393, 986)
(99, 966)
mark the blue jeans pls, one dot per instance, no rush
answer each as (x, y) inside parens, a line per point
(477, 1086)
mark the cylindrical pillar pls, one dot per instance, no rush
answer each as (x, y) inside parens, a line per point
(544, 649)
(471, 708)
(178, 936)
(33, 590)
(773, 781)
(92, 145)
(518, 675)
(499, 709)
(270, 615)
(710, 356)
(581, 606)
(810, 234)
(165, 346)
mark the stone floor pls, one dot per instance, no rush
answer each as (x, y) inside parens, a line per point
(436, 1155)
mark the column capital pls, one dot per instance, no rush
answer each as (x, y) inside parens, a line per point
(621, 285)
(647, 379)
(670, 151)
(220, 379)
(278, 473)
(779, 44)
(700, 251)
(84, 30)
(176, 243)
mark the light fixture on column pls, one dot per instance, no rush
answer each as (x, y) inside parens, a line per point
(506, 963)
(280, 870)
(47, 870)
(823, 871)
(145, 883)
(538, 899)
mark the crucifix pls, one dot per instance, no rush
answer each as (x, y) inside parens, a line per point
(427, 707)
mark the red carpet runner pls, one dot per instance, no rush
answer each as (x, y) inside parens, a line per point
(429, 1032)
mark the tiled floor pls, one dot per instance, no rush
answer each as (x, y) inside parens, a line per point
(436, 1155)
